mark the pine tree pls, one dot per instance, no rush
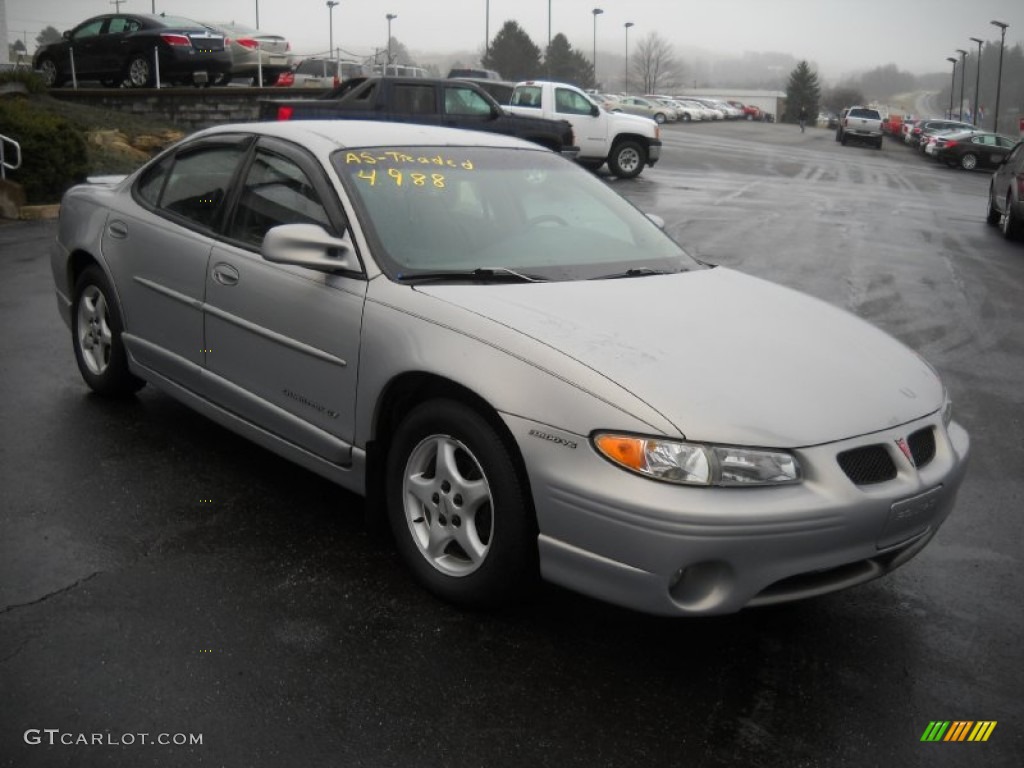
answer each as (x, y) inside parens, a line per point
(513, 54)
(802, 92)
(564, 64)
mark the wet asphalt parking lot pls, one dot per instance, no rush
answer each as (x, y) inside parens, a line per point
(159, 575)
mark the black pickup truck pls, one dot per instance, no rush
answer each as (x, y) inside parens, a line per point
(452, 103)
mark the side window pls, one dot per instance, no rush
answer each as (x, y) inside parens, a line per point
(152, 183)
(119, 25)
(276, 191)
(89, 30)
(198, 183)
(571, 102)
(465, 101)
(414, 99)
(527, 96)
(365, 94)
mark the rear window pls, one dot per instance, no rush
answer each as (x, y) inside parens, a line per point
(872, 114)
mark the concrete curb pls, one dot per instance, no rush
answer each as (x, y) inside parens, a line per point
(38, 212)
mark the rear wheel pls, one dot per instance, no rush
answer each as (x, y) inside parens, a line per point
(993, 213)
(140, 71)
(627, 159)
(659, 118)
(1009, 223)
(458, 508)
(969, 161)
(96, 329)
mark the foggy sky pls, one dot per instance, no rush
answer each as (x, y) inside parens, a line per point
(839, 36)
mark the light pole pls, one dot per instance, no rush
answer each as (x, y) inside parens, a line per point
(999, 77)
(963, 73)
(257, 12)
(549, 25)
(952, 85)
(390, 17)
(487, 28)
(977, 82)
(597, 12)
(627, 25)
(330, 23)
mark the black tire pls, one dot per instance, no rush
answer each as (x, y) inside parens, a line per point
(878, 144)
(1009, 224)
(483, 557)
(96, 328)
(993, 216)
(139, 71)
(969, 161)
(686, 117)
(627, 159)
(50, 73)
(659, 118)
(591, 165)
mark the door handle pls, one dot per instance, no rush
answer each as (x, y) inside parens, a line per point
(225, 274)
(117, 229)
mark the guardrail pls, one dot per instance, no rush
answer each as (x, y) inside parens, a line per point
(5, 164)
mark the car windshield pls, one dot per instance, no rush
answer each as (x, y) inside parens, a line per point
(461, 209)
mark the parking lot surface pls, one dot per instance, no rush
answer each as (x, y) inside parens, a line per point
(161, 576)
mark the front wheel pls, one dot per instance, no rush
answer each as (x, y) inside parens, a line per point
(659, 118)
(96, 328)
(49, 72)
(627, 159)
(458, 508)
(140, 72)
(969, 161)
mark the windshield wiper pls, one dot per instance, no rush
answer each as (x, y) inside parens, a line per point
(495, 274)
(636, 272)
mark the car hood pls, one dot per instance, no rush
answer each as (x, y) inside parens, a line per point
(723, 356)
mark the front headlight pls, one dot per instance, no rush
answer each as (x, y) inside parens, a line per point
(675, 461)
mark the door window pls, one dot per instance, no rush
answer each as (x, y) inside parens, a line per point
(276, 191)
(198, 183)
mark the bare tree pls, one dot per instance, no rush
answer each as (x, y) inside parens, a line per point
(655, 65)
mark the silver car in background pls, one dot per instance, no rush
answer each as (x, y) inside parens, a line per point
(526, 373)
(255, 54)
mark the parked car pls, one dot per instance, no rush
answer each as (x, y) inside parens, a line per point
(422, 314)
(973, 149)
(254, 53)
(118, 48)
(317, 72)
(922, 130)
(1006, 195)
(635, 105)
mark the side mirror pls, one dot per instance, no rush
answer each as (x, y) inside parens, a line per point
(594, 110)
(66, 34)
(309, 246)
(658, 221)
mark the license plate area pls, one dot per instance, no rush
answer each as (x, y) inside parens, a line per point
(911, 517)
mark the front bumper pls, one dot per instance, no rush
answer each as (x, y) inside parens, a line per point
(683, 551)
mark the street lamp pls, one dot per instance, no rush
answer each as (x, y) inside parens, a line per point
(963, 73)
(597, 12)
(627, 25)
(952, 85)
(390, 17)
(487, 28)
(999, 77)
(257, 12)
(330, 23)
(977, 82)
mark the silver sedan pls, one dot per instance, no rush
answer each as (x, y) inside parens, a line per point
(521, 369)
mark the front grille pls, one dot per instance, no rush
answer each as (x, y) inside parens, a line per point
(922, 446)
(867, 465)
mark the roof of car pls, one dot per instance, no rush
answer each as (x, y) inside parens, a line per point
(326, 136)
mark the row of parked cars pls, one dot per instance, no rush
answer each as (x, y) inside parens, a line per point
(964, 145)
(670, 109)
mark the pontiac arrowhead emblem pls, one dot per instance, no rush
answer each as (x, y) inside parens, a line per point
(902, 445)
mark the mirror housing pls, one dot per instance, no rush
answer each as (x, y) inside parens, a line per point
(658, 221)
(594, 110)
(309, 246)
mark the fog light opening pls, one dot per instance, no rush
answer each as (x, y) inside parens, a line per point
(702, 585)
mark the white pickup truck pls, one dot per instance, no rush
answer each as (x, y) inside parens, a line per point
(626, 142)
(860, 124)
